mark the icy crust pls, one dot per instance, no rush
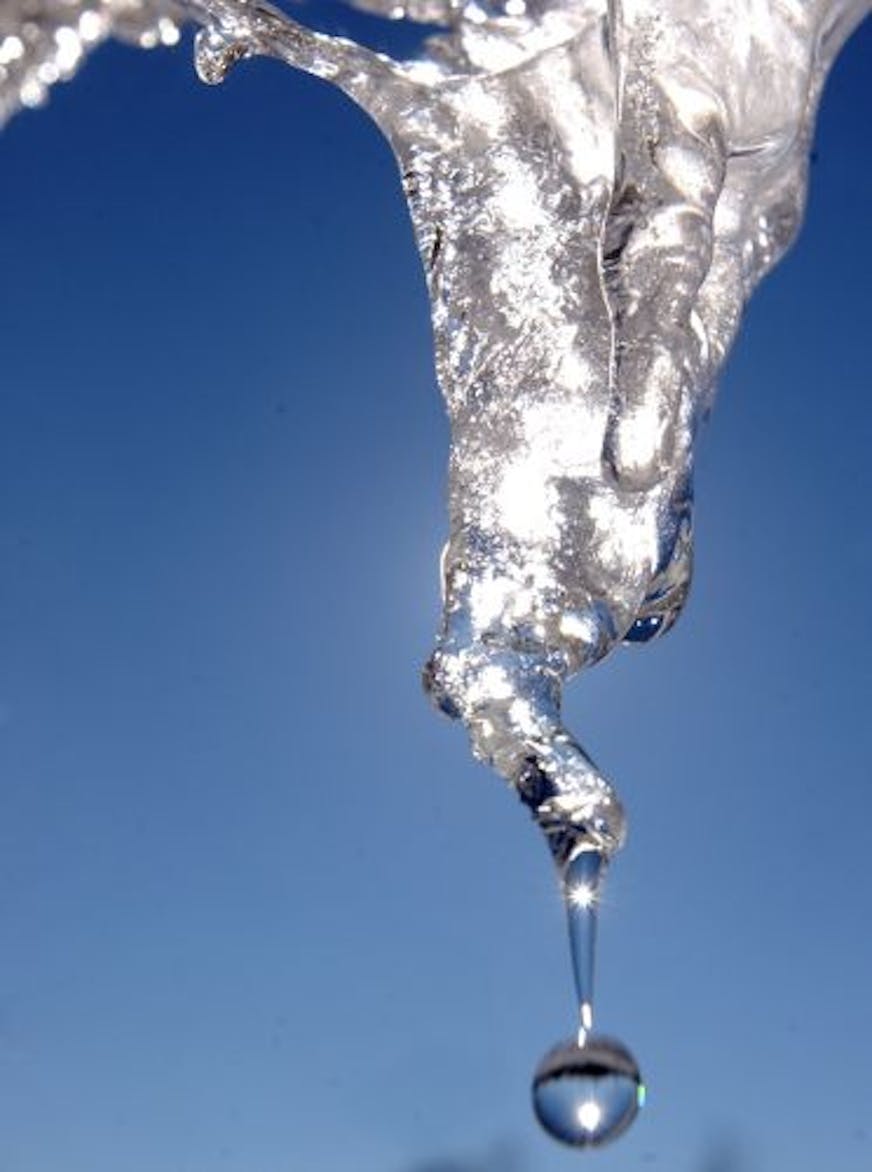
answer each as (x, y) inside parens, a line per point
(596, 187)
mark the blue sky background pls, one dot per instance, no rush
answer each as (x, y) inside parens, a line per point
(259, 911)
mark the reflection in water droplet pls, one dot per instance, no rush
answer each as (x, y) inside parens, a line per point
(586, 1096)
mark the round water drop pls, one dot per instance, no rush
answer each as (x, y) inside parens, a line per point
(586, 1096)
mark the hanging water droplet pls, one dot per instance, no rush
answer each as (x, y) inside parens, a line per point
(587, 1095)
(215, 54)
(586, 1091)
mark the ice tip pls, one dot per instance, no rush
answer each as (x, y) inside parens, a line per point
(215, 54)
(575, 818)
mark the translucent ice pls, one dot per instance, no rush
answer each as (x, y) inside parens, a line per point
(596, 187)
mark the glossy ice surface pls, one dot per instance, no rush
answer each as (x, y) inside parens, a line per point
(596, 188)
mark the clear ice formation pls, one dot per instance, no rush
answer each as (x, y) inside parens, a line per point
(596, 187)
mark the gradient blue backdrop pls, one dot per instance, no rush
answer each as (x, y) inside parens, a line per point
(259, 911)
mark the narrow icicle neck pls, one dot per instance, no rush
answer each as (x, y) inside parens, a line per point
(573, 805)
(582, 885)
